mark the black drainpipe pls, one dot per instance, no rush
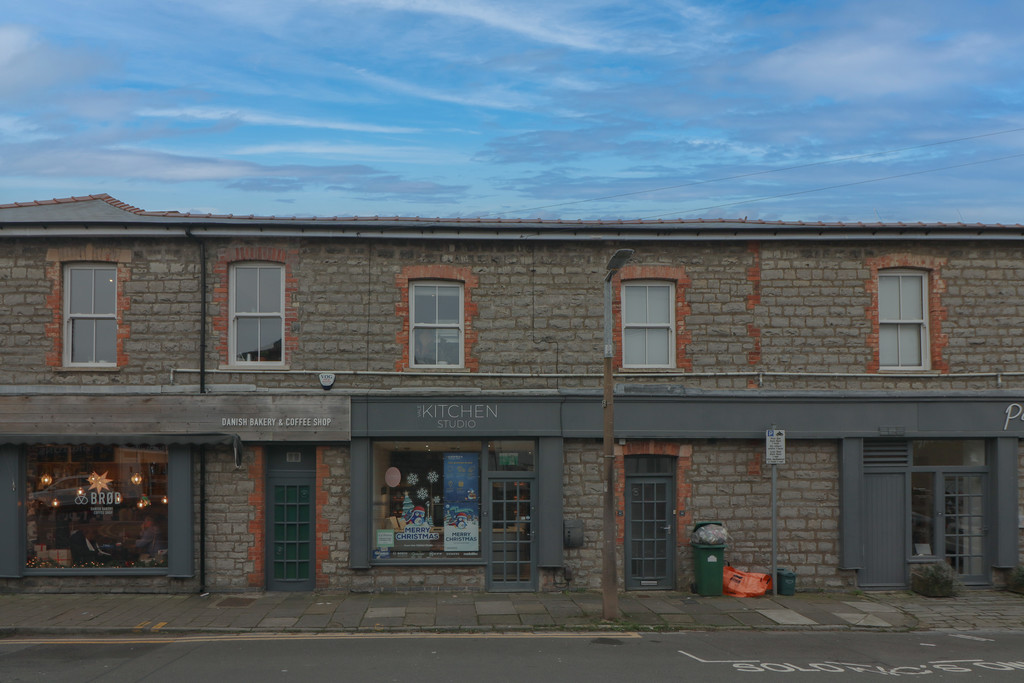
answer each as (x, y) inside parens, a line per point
(202, 390)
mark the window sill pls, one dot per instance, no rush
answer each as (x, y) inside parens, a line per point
(255, 367)
(437, 368)
(904, 371)
(87, 368)
(648, 368)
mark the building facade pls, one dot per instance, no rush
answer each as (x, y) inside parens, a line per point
(193, 403)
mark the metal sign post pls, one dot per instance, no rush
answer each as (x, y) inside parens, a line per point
(775, 455)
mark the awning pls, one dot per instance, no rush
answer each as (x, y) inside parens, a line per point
(135, 440)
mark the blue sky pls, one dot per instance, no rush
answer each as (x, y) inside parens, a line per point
(896, 110)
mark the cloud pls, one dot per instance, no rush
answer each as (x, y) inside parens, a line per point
(28, 64)
(99, 164)
(887, 57)
(230, 115)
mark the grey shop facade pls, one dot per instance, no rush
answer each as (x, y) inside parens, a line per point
(498, 492)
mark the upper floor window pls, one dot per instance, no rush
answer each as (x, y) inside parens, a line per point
(902, 320)
(91, 315)
(437, 324)
(647, 324)
(257, 313)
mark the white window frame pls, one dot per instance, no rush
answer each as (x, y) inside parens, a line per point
(903, 323)
(668, 327)
(236, 315)
(71, 317)
(433, 327)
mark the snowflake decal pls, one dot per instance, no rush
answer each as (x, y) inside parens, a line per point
(412, 479)
(422, 494)
(437, 499)
(432, 477)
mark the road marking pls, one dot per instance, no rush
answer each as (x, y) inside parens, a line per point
(718, 661)
(159, 626)
(141, 626)
(966, 637)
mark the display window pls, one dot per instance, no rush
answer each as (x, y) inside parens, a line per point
(94, 506)
(427, 498)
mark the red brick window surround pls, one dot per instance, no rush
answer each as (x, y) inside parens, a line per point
(222, 319)
(438, 274)
(83, 261)
(934, 315)
(680, 282)
(683, 453)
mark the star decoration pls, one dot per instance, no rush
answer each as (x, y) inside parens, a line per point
(99, 482)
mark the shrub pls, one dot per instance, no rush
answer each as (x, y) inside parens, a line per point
(1015, 579)
(936, 580)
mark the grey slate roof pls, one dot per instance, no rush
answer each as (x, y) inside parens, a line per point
(103, 215)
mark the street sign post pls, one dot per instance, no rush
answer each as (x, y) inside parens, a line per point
(775, 455)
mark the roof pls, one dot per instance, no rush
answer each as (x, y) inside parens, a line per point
(103, 215)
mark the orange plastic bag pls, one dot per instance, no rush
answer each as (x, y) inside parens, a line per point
(744, 584)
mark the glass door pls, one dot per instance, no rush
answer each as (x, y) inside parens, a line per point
(290, 520)
(948, 521)
(650, 537)
(512, 558)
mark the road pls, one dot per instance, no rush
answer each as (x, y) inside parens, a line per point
(425, 658)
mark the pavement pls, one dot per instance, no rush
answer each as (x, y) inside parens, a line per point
(62, 614)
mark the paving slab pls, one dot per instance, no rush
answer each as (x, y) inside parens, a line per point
(787, 617)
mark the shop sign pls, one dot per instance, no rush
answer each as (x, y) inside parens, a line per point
(1014, 411)
(250, 417)
(457, 415)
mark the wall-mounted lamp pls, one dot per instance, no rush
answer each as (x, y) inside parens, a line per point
(46, 480)
(136, 478)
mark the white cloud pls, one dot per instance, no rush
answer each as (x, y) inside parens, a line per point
(30, 64)
(891, 59)
(261, 119)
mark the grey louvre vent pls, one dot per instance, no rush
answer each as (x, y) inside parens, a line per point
(891, 452)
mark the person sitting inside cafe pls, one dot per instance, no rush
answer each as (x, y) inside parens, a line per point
(150, 540)
(85, 546)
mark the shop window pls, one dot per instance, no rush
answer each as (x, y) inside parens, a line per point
(427, 502)
(902, 320)
(257, 313)
(647, 324)
(92, 507)
(90, 315)
(437, 324)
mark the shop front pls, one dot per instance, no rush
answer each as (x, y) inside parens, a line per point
(911, 479)
(115, 486)
(475, 484)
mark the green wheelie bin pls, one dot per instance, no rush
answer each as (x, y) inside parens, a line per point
(708, 564)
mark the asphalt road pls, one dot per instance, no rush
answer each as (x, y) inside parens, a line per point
(424, 658)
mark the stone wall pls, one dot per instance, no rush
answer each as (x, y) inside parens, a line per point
(731, 484)
(757, 308)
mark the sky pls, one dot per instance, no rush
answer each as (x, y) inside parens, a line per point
(892, 110)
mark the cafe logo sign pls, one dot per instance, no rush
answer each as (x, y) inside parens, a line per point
(100, 492)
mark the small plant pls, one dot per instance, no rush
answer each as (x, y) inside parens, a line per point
(936, 580)
(1015, 579)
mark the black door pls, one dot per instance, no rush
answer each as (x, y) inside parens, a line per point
(650, 533)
